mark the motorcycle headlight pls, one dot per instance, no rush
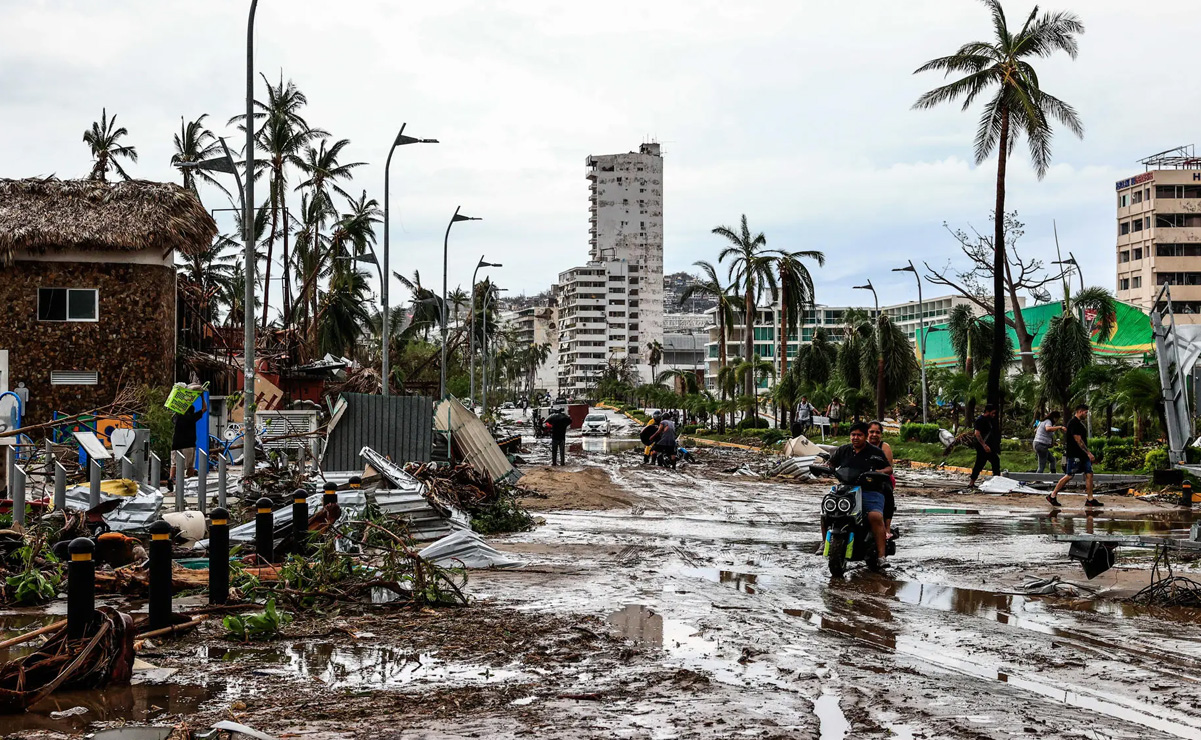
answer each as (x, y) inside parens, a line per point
(844, 505)
(829, 505)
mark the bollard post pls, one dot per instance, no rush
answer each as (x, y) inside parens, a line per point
(156, 471)
(181, 479)
(18, 494)
(202, 482)
(160, 575)
(329, 493)
(355, 482)
(60, 487)
(96, 472)
(222, 482)
(126, 467)
(1186, 495)
(10, 465)
(81, 587)
(300, 521)
(264, 535)
(219, 556)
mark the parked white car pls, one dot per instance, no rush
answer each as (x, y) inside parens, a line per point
(595, 424)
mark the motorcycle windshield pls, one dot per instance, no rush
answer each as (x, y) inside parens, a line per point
(848, 475)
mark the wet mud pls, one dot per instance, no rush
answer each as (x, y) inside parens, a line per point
(694, 605)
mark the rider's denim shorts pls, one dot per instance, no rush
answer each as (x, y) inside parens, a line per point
(873, 501)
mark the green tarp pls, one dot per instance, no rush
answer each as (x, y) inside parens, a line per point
(1131, 337)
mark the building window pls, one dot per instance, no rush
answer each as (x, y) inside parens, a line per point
(1177, 220)
(1137, 254)
(1136, 225)
(1124, 256)
(74, 377)
(1124, 284)
(1123, 200)
(1136, 196)
(1147, 194)
(68, 304)
(1136, 282)
(1124, 228)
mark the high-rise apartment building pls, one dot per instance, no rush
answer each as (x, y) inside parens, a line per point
(611, 309)
(1159, 233)
(533, 326)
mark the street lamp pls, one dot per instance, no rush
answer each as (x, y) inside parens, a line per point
(445, 252)
(400, 140)
(248, 401)
(921, 331)
(484, 347)
(481, 263)
(874, 296)
(1075, 266)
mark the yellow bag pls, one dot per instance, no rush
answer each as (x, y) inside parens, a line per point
(181, 398)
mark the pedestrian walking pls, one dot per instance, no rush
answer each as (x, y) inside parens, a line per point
(1079, 459)
(559, 423)
(988, 443)
(1044, 440)
(834, 412)
(665, 442)
(804, 417)
(648, 431)
(183, 436)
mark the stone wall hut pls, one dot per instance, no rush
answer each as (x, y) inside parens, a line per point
(87, 286)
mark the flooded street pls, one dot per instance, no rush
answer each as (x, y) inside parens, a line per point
(693, 604)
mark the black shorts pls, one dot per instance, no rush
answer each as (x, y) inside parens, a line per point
(666, 448)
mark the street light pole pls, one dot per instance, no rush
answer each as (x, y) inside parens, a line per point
(484, 347)
(875, 298)
(445, 264)
(248, 369)
(921, 332)
(386, 319)
(471, 370)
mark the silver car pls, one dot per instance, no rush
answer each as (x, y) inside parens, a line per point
(595, 425)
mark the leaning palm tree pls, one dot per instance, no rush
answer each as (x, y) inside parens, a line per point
(195, 143)
(682, 378)
(654, 356)
(895, 365)
(102, 138)
(1018, 106)
(796, 293)
(1066, 348)
(751, 270)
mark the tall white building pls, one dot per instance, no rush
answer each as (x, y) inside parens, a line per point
(535, 325)
(612, 308)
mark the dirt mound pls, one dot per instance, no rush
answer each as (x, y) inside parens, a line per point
(589, 489)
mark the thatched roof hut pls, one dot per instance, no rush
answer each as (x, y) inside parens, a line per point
(37, 215)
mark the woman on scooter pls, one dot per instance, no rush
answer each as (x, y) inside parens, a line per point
(875, 436)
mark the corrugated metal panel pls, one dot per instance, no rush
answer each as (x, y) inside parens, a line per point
(399, 427)
(284, 424)
(473, 441)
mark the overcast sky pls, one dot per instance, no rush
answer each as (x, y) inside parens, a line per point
(795, 113)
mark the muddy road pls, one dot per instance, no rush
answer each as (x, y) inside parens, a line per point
(692, 604)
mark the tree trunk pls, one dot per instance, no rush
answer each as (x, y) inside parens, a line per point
(270, 246)
(1025, 340)
(784, 328)
(970, 406)
(880, 389)
(749, 339)
(1108, 419)
(287, 300)
(721, 363)
(997, 366)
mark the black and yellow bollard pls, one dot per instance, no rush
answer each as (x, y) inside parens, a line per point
(300, 521)
(219, 556)
(329, 493)
(1186, 494)
(355, 482)
(81, 587)
(264, 532)
(160, 575)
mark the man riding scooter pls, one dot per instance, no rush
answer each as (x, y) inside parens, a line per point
(860, 455)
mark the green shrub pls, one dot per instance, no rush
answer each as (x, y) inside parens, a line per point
(702, 431)
(262, 626)
(1156, 459)
(927, 433)
(689, 429)
(754, 422)
(771, 436)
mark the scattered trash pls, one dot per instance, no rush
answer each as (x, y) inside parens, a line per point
(472, 442)
(1001, 484)
(801, 447)
(72, 712)
(466, 549)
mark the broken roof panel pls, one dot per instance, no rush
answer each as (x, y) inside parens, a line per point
(472, 441)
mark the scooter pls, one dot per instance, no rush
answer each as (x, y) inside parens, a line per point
(848, 536)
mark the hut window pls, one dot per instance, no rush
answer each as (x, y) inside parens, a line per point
(68, 304)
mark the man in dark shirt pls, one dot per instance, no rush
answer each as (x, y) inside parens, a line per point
(1079, 459)
(183, 437)
(559, 423)
(861, 456)
(988, 443)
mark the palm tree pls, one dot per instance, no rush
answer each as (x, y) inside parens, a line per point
(1066, 349)
(205, 283)
(1140, 392)
(457, 299)
(343, 315)
(195, 143)
(710, 286)
(751, 270)
(969, 334)
(102, 139)
(1018, 106)
(759, 370)
(682, 378)
(816, 361)
(282, 136)
(654, 356)
(727, 383)
(796, 293)
(896, 365)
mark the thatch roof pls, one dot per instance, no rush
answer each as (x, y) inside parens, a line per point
(37, 215)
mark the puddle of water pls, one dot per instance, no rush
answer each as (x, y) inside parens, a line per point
(1176, 523)
(1164, 719)
(605, 445)
(747, 583)
(357, 667)
(832, 722)
(143, 703)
